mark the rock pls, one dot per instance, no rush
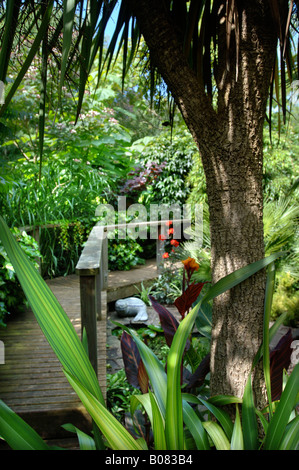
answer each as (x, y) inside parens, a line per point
(130, 307)
(295, 354)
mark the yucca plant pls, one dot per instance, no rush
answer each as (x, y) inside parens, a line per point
(175, 422)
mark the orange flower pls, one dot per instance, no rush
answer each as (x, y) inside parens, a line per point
(170, 231)
(174, 242)
(190, 264)
(168, 223)
(162, 237)
(165, 255)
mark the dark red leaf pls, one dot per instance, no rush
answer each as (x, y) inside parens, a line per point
(143, 379)
(168, 322)
(185, 301)
(138, 426)
(280, 358)
(131, 358)
(197, 379)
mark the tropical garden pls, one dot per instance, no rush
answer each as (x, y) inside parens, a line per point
(174, 111)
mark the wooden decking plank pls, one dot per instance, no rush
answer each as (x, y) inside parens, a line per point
(32, 381)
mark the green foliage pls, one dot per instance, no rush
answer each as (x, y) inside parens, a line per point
(84, 162)
(280, 233)
(168, 286)
(61, 245)
(123, 254)
(164, 402)
(174, 151)
(119, 392)
(286, 298)
(281, 161)
(12, 298)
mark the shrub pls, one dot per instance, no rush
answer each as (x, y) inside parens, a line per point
(123, 254)
(12, 298)
(172, 159)
(286, 298)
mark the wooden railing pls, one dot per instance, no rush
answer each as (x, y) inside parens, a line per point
(92, 268)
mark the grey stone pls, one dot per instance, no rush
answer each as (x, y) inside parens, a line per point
(132, 307)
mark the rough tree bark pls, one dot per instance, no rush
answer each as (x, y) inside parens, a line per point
(230, 141)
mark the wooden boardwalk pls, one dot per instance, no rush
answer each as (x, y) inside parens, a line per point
(31, 380)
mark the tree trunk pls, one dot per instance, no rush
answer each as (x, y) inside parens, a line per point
(230, 141)
(234, 171)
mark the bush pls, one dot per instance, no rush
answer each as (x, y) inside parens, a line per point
(286, 298)
(119, 392)
(172, 157)
(123, 254)
(12, 298)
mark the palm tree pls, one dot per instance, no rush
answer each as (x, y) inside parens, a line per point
(218, 59)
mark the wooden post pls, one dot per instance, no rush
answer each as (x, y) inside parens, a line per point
(89, 269)
(104, 264)
(160, 248)
(88, 297)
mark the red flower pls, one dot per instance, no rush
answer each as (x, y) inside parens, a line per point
(190, 264)
(168, 223)
(162, 237)
(165, 255)
(174, 243)
(170, 231)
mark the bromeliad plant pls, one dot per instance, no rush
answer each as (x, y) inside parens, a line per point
(175, 422)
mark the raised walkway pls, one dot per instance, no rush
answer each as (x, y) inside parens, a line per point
(31, 380)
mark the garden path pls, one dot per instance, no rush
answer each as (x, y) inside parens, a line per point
(31, 380)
